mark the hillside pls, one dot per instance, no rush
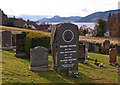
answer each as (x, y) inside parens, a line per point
(60, 19)
(90, 18)
(95, 16)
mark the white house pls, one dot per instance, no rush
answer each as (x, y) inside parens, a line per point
(107, 34)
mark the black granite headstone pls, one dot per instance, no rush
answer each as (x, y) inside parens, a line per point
(64, 46)
(20, 50)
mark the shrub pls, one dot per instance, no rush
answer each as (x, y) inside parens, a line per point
(34, 39)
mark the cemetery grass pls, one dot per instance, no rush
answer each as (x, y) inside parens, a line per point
(16, 70)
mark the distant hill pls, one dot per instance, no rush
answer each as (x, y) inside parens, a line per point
(95, 16)
(90, 18)
(60, 19)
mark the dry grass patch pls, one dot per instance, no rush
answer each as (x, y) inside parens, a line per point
(113, 40)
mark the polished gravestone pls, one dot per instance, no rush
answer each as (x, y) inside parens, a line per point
(64, 46)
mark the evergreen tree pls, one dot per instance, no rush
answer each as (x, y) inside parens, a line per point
(101, 27)
(84, 32)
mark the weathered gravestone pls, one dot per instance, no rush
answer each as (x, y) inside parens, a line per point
(81, 54)
(20, 50)
(39, 59)
(6, 40)
(64, 46)
(105, 47)
(91, 47)
(97, 48)
(112, 55)
(87, 45)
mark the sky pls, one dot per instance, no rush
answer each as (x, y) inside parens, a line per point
(63, 8)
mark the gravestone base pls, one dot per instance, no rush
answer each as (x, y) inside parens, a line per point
(115, 63)
(8, 48)
(14, 47)
(82, 60)
(19, 55)
(105, 51)
(40, 68)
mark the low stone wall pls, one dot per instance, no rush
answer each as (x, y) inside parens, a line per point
(96, 47)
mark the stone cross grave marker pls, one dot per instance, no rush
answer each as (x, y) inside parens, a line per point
(64, 46)
(39, 59)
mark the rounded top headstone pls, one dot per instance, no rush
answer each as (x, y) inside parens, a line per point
(40, 48)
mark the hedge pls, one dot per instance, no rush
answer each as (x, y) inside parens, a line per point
(34, 39)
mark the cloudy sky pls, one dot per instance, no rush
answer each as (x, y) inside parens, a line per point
(57, 7)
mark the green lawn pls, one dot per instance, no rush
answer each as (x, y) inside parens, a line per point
(16, 70)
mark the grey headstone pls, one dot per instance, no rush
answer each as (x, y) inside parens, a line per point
(6, 40)
(91, 47)
(64, 46)
(39, 59)
(86, 52)
(96, 48)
